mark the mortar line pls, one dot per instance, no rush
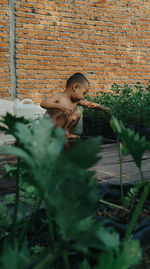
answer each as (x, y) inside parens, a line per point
(12, 48)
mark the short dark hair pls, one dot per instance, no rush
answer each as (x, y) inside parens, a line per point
(76, 78)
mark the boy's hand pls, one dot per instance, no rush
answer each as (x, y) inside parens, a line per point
(94, 105)
(66, 110)
(105, 109)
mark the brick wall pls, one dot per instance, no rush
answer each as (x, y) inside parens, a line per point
(107, 40)
(4, 51)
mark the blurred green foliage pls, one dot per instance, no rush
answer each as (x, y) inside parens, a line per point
(66, 187)
(131, 104)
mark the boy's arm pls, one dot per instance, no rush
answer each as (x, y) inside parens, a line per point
(53, 103)
(50, 103)
(88, 104)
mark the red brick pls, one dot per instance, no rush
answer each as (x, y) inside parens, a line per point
(51, 44)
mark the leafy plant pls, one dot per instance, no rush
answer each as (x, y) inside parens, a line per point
(130, 104)
(132, 143)
(15, 257)
(131, 195)
(135, 146)
(70, 196)
(124, 260)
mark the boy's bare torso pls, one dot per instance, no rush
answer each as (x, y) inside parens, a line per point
(61, 99)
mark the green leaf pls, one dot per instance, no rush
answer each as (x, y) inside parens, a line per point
(7, 168)
(129, 256)
(3, 216)
(37, 249)
(79, 200)
(18, 152)
(105, 260)
(85, 265)
(108, 237)
(15, 258)
(86, 154)
(39, 151)
(9, 198)
(95, 238)
(135, 145)
(85, 224)
(23, 208)
(9, 123)
(132, 252)
(123, 149)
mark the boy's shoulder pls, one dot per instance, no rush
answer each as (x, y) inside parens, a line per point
(58, 94)
(55, 97)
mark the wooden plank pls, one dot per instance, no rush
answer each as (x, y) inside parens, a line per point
(108, 168)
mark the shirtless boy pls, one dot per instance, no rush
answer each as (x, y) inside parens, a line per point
(61, 107)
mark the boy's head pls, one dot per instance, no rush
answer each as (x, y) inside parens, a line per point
(79, 85)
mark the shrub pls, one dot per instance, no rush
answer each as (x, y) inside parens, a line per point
(129, 104)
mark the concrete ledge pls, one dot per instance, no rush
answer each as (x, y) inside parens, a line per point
(7, 106)
(6, 139)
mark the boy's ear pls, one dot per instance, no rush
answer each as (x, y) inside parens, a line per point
(75, 86)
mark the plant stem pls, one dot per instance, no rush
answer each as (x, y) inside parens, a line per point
(66, 261)
(142, 176)
(14, 224)
(121, 184)
(49, 218)
(114, 205)
(27, 223)
(137, 211)
(47, 261)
